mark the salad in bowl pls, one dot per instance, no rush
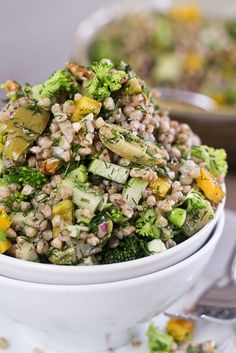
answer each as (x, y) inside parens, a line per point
(92, 171)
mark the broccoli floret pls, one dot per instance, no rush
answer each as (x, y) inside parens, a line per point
(117, 216)
(61, 85)
(215, 159)
(144, 229)
(148, 216)
(148, 230)
(129, 249)
(25, 176)
(145, 225)
(158, 341)
(105, 80)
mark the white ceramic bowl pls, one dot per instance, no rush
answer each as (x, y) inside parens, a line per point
(85, 318)
(54, 274)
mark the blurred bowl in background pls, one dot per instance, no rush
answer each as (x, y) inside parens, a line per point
(216, 128)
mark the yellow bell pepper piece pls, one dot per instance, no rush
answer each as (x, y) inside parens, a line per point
(160, 186)
(4, 246)
(181, 330)
(5, 220)
(65, 209)
(208, 185)
(85, 106)
(185, 13)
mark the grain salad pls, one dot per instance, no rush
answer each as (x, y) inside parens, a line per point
(92, 171)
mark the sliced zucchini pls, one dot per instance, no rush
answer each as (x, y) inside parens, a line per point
(22, 130)
(133, 192)
(83, 198)
(80, 174)
(26, 251)
(198, 219)
(127, 145)
(156, 245)
(20, 219)
(177, 217)
(63, 257)
(109, 171)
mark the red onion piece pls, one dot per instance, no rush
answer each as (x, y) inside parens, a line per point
(102, 229)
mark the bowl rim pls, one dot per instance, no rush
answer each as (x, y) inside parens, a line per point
(90, 270)
(137, 281)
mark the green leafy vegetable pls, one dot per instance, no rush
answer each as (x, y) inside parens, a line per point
(215, 159)
(60, 85)
(25, 176)
(129, 249)
(105, 80)
(158, 341)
